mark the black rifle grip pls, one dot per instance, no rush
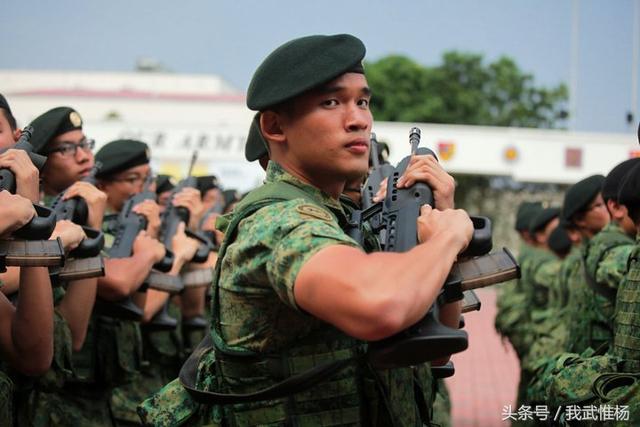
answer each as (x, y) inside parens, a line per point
(166, 263)
(40, 227)
(91, 245)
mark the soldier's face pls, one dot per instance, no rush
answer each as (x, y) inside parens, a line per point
(8, 136)
(63, 169)
(595, 217)
(327, 130)
(124, 185)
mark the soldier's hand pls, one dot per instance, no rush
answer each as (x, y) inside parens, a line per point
(146, 243)
(15, 212)
(190, 198)
(184, 247)
(455, 222)
(426, 169)
(71, 234)
(96, 201)
(382, 191)
(27, 175)
(151, 211)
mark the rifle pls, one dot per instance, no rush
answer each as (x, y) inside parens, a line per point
(86, 261)
(125, 229)
(395, 221)
(171, 219)
(30, 247)
(173, 216)
(377, 174)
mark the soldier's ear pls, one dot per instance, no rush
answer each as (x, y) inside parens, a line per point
(271, 127)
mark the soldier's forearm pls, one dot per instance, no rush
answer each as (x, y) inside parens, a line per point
(76, 307)
(32, 327)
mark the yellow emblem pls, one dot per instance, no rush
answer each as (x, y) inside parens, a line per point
(147, 153)
(75, 119)
(314, 212)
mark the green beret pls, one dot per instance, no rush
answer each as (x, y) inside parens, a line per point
(54, 122)
(614, 179)
(164, 183)
(559, 241)
(122, 154)
(526, 211)
(580, 194)
(302, 64)
(4, 104)
(256, 145)
(629, 194)
(542, 218)
(206, 183)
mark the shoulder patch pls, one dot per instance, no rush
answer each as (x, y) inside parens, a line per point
(313, 212)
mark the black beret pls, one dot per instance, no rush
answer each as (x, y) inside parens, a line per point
(4, 104)
(559, 241)
(53, 123)
(122, 154)
(164, 183)
(542, 218)
(629, 194)
(206, 183)
(526, 211)
(580, 194)
(614, 179)
(256, 145)
(302, 64)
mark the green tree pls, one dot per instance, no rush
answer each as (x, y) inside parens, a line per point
(462, 90)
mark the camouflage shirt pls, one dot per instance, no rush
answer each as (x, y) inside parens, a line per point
(626, 342)
(257, 311)
(260, 268)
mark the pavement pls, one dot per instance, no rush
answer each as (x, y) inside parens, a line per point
(487, 373)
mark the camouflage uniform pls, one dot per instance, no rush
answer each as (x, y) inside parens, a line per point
(626, 342)
(591, 313)
(261, 336)
(54, 398)
(513, 312)
(604, 257)
(119, 355)
(552, 336)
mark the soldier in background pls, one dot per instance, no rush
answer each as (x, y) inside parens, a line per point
(125, 168)
(585, 211)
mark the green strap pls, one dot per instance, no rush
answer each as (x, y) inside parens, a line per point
(289, 386)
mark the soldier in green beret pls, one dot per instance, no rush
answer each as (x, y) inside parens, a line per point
(585, 211)
(606, 254)
(139, 369)
(292, 286)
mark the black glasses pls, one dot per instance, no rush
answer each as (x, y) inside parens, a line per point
(69, 149)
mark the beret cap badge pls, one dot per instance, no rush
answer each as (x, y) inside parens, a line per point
(75, 119)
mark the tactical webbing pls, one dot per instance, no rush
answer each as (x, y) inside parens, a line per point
(291, 385)
(265, 196)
